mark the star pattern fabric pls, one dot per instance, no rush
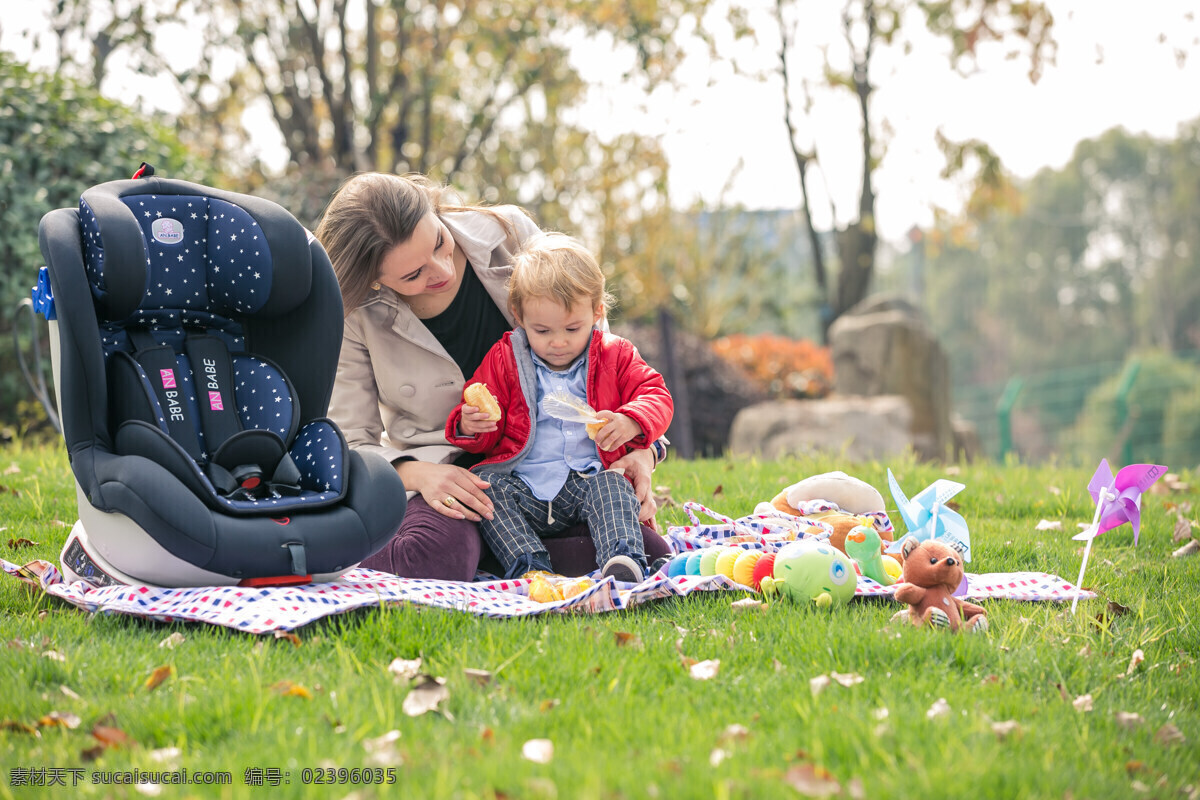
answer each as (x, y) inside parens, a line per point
(208, 264)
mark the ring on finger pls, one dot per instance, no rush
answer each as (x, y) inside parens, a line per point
(450, 501)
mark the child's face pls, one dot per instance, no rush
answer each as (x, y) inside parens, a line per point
(558, 335)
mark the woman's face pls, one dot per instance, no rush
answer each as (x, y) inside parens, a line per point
(422, 265)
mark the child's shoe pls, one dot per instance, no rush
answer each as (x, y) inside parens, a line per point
(624, 569)
(659, 564)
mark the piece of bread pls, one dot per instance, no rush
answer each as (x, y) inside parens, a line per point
(594, 427)
(477, 395)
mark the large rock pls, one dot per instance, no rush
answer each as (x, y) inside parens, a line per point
(858, 428)
(884, 347)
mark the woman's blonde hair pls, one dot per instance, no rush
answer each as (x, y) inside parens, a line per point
(558, 267)
(370, 214)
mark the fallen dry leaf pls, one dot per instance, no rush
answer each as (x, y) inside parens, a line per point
(156, 678)
(381, 742)
(847, 679)
(289, 689)
(172, 641)
(62, 719)
(1082, 703)
(940, 708)
(382, 752)
(1168, 735)
(479, 676)
(539, 751)
(818, 684)
(1006, 728)
(747, 604)
(719, 491)
(1136, 659)
(1048, 525)
(17, 544)
(425, 696)
(1183, 529)
(717, 756)
(20, 727)
(109, 736)
(704, 670)
(734, 733)
(405, 670)
(291, 637)
(1189, 549)
(1111, 611)
(625, 639)
(54, 655)
(811, 781)
(1128, 719)
(549, 704)
(165, 755)
(12, 469)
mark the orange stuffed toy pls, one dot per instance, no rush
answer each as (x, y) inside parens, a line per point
(932, 571)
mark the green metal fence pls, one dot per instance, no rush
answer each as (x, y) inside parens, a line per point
(1145, 409)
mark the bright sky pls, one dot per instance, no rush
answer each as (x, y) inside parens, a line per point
(724, 133)
(1111, 69)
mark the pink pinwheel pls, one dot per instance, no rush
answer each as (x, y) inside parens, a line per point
(1119, 499)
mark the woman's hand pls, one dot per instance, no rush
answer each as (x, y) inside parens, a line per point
(639, 468)
(449, 490)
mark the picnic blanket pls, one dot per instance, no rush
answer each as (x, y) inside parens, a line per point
(283, 608)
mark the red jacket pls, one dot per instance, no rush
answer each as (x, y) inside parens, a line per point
(617, 380)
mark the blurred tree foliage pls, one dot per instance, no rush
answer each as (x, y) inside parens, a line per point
(1093, 261)
(57, 138)
(1088, 264)
(480, 94)
(877, 31)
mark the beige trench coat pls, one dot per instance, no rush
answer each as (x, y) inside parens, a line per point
(395, 383)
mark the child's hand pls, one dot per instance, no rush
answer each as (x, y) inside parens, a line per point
(474, 422)
(617, 431)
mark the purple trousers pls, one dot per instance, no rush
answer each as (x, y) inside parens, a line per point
(432, 545)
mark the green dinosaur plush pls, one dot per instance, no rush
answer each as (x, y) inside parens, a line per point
(864, 545)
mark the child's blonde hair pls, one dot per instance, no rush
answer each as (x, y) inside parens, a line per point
(557, 267)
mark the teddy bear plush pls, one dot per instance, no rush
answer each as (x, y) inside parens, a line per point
(853, 497)
(932, 571)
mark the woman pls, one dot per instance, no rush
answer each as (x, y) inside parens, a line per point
(423, 285)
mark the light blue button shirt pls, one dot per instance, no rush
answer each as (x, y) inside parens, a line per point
(559, 448)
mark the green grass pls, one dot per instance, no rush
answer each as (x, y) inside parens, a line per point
(628, 721)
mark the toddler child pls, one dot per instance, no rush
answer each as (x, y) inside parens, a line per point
(546, 475)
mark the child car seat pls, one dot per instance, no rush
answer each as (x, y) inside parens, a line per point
(194, 347)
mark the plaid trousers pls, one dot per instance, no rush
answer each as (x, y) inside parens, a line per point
(605, 501)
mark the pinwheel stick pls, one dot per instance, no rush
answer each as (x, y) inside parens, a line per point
(1104, 497)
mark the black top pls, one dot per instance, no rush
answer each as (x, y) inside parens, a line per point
(470, 325)
(468, 328)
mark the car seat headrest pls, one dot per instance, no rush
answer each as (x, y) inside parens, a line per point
(153, 244)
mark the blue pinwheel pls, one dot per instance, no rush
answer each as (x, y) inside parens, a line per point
(927, 516)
